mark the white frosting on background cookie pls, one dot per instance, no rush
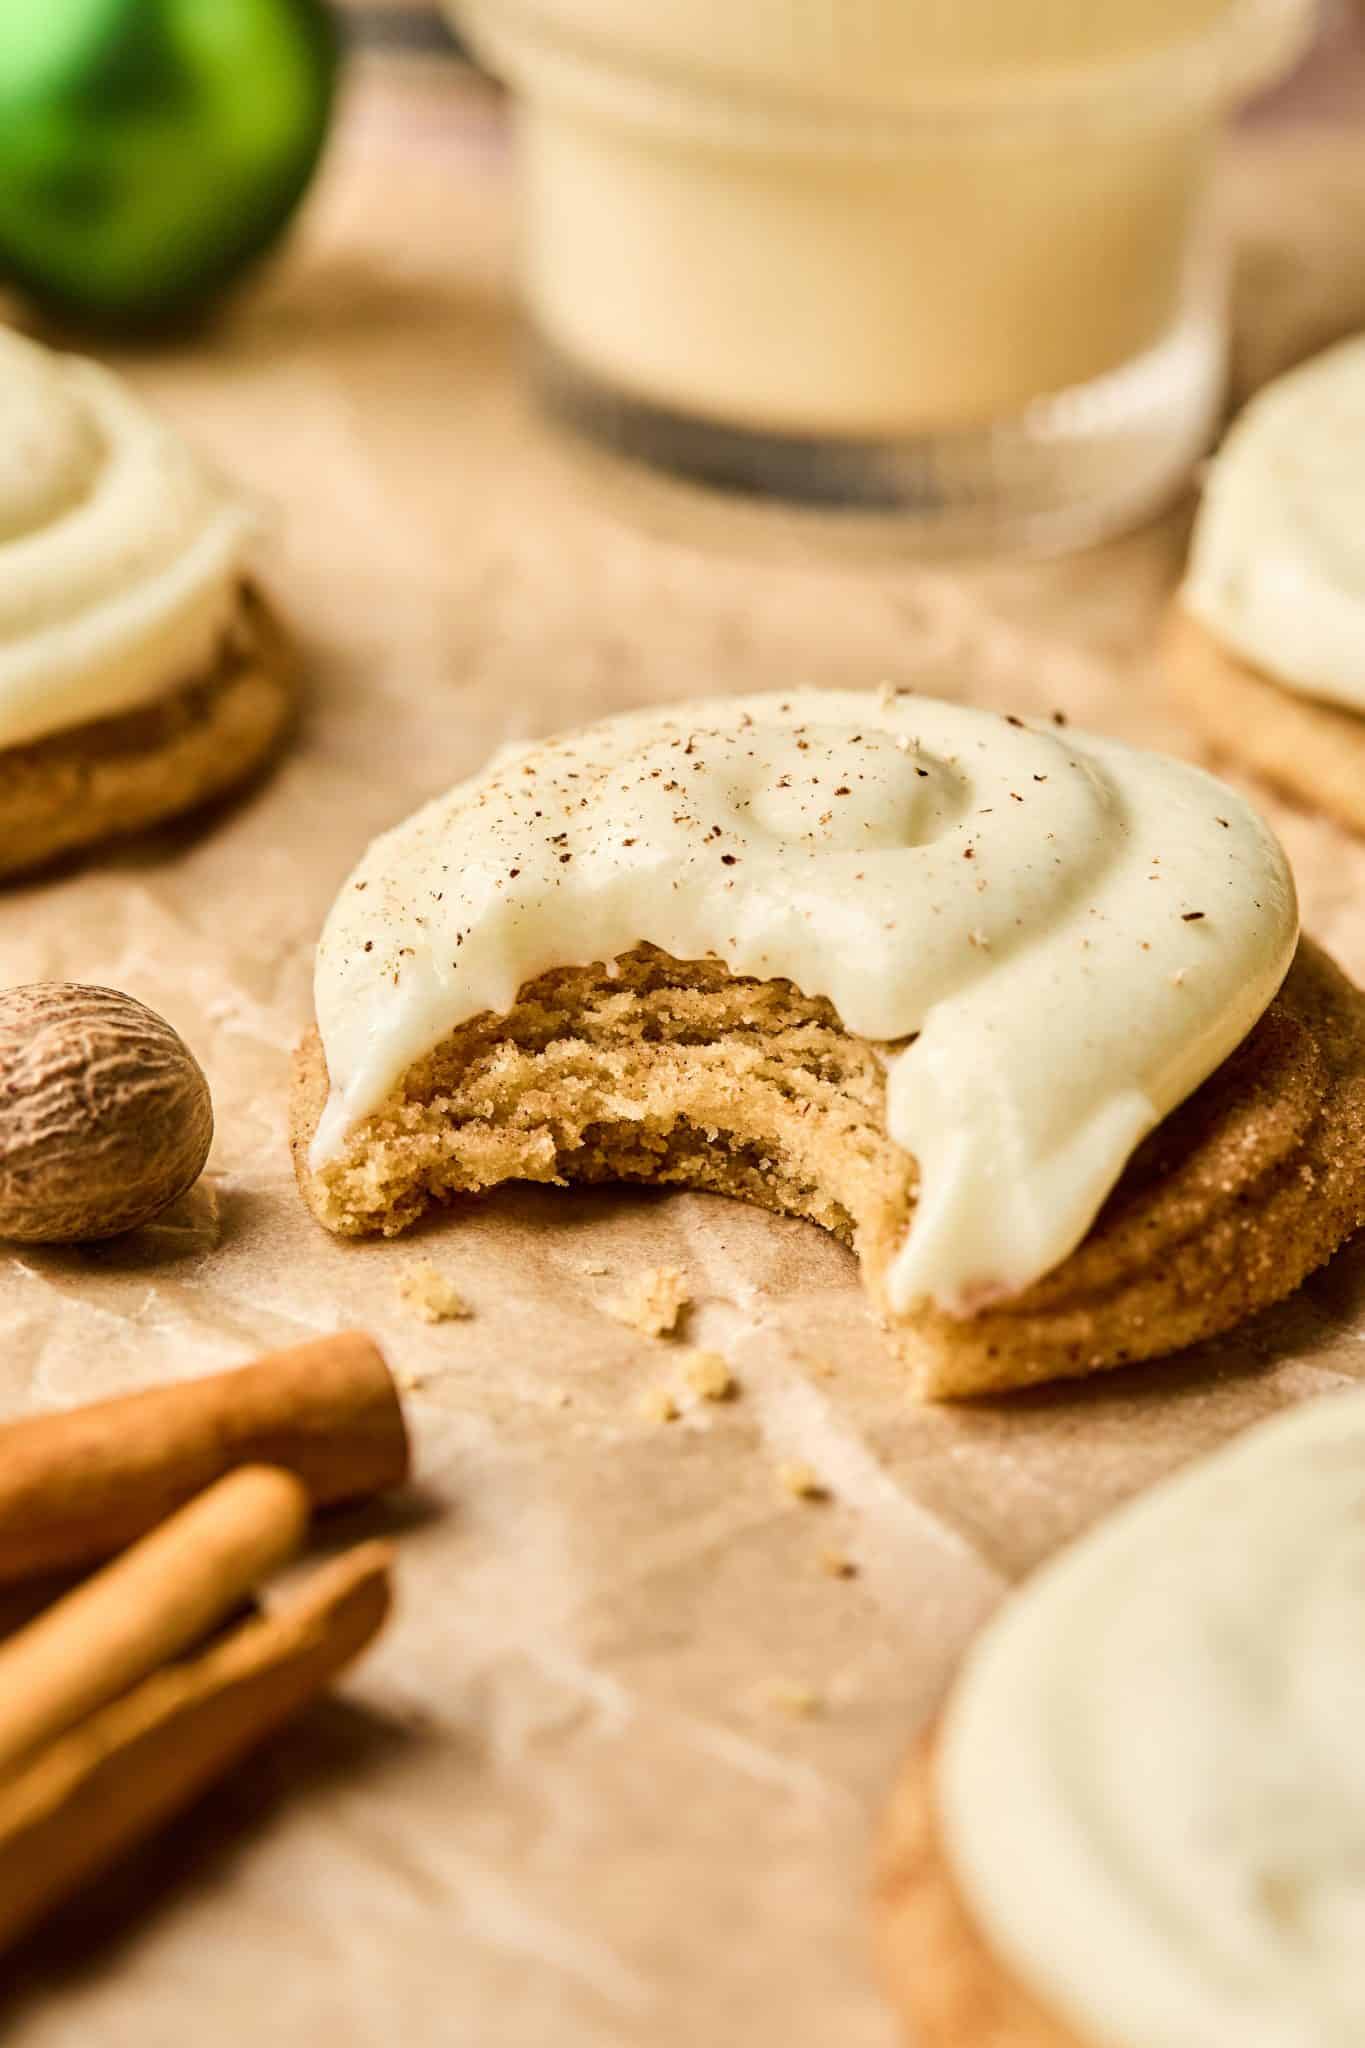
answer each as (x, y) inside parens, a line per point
(120, 552)
(1078, 933)
(1277, 563)
(1150, 1783)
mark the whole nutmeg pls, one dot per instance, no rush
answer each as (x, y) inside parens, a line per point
(105, 1114)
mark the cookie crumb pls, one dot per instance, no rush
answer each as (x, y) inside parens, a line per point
(708, 1374)
(790, 1696)
(801, 1480)
(430, 1295)
(409, 1382)
(651, 1302)
(594, 1270)
(658, 1405)
(837, 1564)
(560, 1397)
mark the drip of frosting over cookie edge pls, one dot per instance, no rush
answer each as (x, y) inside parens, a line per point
(121, 553)
(1072, 934)
(1148, 1780)
(1277, 562)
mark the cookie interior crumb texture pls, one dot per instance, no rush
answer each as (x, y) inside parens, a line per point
(658, 1405)
(677, 1073)
(651, 1301)
(428, 1293)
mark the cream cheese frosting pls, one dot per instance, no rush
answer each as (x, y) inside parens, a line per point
(1277, 563)
(1149, 1778)
(1073, 934)
(121, 553)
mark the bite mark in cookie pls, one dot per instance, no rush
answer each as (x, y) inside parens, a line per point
(676, 1074)
(1013, 1134)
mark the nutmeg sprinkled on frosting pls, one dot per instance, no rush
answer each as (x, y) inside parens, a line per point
(970, 889)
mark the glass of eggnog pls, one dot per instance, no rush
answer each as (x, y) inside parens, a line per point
(947, 259)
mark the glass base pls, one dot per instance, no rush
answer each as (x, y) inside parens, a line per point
(1069, 469)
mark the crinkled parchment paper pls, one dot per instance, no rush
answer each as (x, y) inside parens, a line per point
(566, 1803)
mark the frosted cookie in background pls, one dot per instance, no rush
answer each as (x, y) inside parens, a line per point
(1265, 650)
(140, 673)
(1140, 1822)
(1019, 1013)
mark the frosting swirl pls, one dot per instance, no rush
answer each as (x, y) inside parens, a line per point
(1149, 1779)
(120, 552)
(1277, 563)
(1072, 934)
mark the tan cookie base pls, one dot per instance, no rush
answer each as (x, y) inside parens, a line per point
(676, 1073)
(935, 1965)
(1313, 751)
(120, 775)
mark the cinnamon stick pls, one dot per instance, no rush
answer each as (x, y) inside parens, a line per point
(79, 1485)
(159, 1598)
(108, 1783)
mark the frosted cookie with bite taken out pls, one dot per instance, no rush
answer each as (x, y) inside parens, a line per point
(140, 675)
(1265, 647)
(1020, 1014)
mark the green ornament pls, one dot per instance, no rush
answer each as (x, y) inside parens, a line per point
(151, 148)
